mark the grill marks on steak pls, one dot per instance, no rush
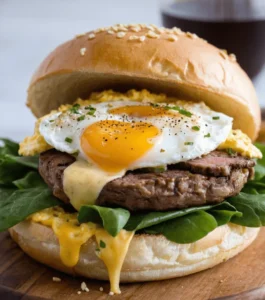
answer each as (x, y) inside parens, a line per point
(206, 180)
(216, 163)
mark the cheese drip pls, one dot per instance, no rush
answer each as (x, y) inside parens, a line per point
(72, 235)
(83, 182)
(113, 253)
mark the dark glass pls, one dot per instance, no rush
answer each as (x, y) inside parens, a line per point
(235, 25)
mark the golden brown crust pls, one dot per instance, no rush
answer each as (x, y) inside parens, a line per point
(172, 62)
(150, 257)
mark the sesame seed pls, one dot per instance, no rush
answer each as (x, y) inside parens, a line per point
(110, 32)
(115, 28)
(177, 30)
(142, 38)
(121, 34)
(122, 28)
(172, 38)
(223, 54)
(133, 37)
(232, 57)
(82, 51)
(87, 290)
(101, 289)
(150, 27)
(111, 293)
(191, 35)
(79, 292)
(135, 29)
(56, 279)
(101, 29)
(79, 35)
(160, 30)
(152, 34)
(91, 36)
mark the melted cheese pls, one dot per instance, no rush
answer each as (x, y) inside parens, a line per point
(82, 182)
(113, 253)
(71, 236)
(241, 143)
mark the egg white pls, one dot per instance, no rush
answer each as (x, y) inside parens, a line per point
(177, 142)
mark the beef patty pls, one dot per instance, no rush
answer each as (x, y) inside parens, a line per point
(200, 181)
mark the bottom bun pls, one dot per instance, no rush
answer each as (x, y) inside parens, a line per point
(150, 257)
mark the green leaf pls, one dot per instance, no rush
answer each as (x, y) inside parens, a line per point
(9, 147)
(144, 220)
(28, 161)
(16, 206)
(10, 170)
(223, 217)
(112, 219)
(252, 208)
(186, 229)
(32, 179)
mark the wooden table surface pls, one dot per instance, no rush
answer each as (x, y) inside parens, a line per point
(23, 278)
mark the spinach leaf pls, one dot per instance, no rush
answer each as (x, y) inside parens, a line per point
(17, 205)
(22, 190)
(252, 208)
(186, 229)
(9, 147)
(32, 179)
(112, 219)
(144, 220)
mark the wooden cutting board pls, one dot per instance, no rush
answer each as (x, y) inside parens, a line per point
(23, 278)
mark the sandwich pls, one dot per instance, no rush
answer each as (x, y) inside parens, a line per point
(142, 164)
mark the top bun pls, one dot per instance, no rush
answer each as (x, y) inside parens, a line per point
(138, 56)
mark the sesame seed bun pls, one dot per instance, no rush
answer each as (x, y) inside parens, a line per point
(138, 56)
(159, 259)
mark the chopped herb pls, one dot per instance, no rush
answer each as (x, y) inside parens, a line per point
(51, 121)
(216, 118)
(207, 135)
(102, 244)
(188, 143)
(91, 110)
(97, 249)
(162, 150)
(81, 118)
(154, 104)
(68, 140)
(91, 113)
(230, 151)
(180, 110)
(74, 108)
(196, 128)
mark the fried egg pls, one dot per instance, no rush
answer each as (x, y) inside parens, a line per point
(128, 135)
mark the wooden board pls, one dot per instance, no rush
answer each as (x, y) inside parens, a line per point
(23, 278)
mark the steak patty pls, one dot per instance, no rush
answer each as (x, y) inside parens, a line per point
(200, 181)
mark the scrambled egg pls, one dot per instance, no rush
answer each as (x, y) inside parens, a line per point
(241, 143)
(35, 144)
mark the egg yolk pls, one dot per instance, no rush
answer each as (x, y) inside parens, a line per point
(140, 111)
(115, 145)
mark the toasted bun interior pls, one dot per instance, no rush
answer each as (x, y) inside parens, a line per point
(160, 60)
(159, 258)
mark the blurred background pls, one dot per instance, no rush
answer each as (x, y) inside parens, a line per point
(30, 29)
